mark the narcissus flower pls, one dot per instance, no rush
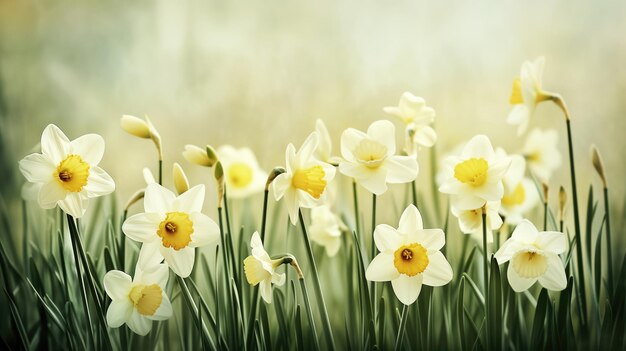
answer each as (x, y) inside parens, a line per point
(326, 229)
(534, 257)
(370, 158)
(139, 301)
(520, 193)
(475, 177)
(306, 178)
(171, 228)
(527, 93)
(471, 221)
(261, 269)
(409, 257)
(67, 171)
(412, 110)
(542, 153)
(242, 174)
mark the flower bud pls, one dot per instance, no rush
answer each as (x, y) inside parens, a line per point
(180, 179)
(135, 126)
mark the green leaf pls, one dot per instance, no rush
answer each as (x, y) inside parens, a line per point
(537, 337)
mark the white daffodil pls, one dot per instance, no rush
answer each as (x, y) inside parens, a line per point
(417, 117)
(138, 301)
(534, 257)
(306, 178)
(171, 227)
(475, 177)
(326, 229)
(471, 221)
(520, 194)
(261, 269)
(542, 153)
(370, 158)
(243, 176)
(409, 257)
(325, 146)
(527, 93)
(67, 171)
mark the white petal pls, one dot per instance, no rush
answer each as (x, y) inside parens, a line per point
(438, 272)
(307, 149)
(467, 202)
(426, 137)
(54, 144)
(497, 170)
(143, 227)
(205, 230)
(478, 147)
(401, 169)
(99, 182)
(406, 288)
(292, 204)
(149, 257)
(518, 283)
(555, 242)
(265, 288)
(387, 238)
(554, 278)
(375, 181)
(155, 274)
(410, 221)
(332, 246)
(192, 199)
(508, 250)
(430, 239)
(30, 191)
(50, 193)
(278, 279)
(280, 185)
(490, 192)
(74, 204)
(139, 324)
(119, 312)
(89, 147)
(181, 261)
(384, 132)
(519, 116)
(158, 199)
(525, 232)
(117, 285)
(290, 157)
(37, 168)
(164, 311)
(350, 139)
(382, 269)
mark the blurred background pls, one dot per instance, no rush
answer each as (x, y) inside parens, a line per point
(258, 73)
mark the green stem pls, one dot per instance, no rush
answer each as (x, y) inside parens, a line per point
(309, 312)
(608, 239)
(356, 207)
(414, 192)
(194, 310)
(372, 284)
(318, 288)
(225, 261)
(486, 271)
(403, 319)
(25, 237)
(433, 181)
(582, 298)
(122, 248)
(230, 238)
(545, 216)
(160, 172)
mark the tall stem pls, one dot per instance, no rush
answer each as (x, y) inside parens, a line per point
(318, 288)
(309, 312)
(160, 171)
(414, 192)
(486, 271)
(373, 248)
(608, 239)
(356, 207)
(403, 319)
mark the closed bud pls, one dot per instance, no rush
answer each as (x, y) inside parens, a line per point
(180, 179)
(596, 159)
(135, 126)
(197, 155)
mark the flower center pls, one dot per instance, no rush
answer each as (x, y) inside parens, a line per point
(175, 230)
(472, 172)
(529, 264)
(515, 198)
(310, 180)
(516, 93)
(72, 173)
(146, 298)
(255, 272)
(240, 175)
(411, 259)
(370, 153)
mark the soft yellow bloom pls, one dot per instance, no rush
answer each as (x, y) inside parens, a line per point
(527, 93)
(243, 176)
(135, 126)
(471, 221)
(180, 179)
(202, 157)
(542, 153)
(261, 269)
(418, 117)
(520, 193)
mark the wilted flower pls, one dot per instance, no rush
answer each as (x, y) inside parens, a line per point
(261, 269)
(67, 171)
(243, 176)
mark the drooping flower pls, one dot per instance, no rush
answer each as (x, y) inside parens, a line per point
(534, 257)
(138, 301)
(243, 176)
(261, 269)
(370, 158)
(417, 117)
(67, 171)
(471, 221)
(520, 193)
(326, 229)
(475, 177)
(171, 228)
(409, 257)
(542, 153)
(527, 93)
(306, 178)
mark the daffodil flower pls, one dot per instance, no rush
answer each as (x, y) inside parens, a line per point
(527, 93)
(138, 301)
(326, 229)
(67, 171)
(475, 177)
(370, 158)
(171, 228)
(261, 269)
(520, 193)
(534, 256)
(409, 257)
(306, 178)
(243, 176)
(414, 113)
(325, 146)
(471, 221)
(542, 153)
